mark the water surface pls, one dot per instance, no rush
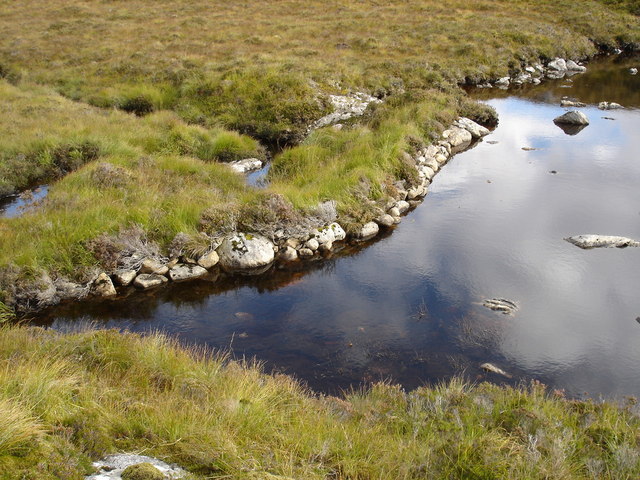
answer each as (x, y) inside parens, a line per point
(408, 307)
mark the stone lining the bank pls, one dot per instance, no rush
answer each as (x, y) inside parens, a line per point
(535, 74)
(248, 252)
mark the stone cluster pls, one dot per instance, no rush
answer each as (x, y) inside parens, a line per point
(556, 68)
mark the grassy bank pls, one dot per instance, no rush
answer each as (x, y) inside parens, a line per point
(129, 108)
(66, 399)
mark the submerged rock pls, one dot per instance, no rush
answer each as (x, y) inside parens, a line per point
(572, 118)
(489, 367)
(502, 305)
(602, 241)
(242, 251)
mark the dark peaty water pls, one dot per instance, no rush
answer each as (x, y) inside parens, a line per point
(408, 307)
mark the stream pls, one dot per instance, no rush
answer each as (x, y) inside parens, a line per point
(408, 307)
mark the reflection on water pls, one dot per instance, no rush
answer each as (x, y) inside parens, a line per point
(409, 306)
(15, 205)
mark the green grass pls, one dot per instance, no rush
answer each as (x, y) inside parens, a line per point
(204, 84)
(66, 399)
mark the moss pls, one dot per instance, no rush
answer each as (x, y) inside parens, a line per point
(142, 471)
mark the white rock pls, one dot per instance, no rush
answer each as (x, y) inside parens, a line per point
(433, 164)
(312, 244)
(572, 118)
(522, 78)
(103, 286)
(457, 136)
(441, 159)
(633, 71)
(288, 254)
(602, 241)
(209, 260)
(426, 172)
(324, 234)
(502, 82)
(530, 69)
(246, 165)
(124, 277)
(558, 64)
(338, 232)
(385, 220)
(476, 130)
(112, 466)
(394, 212)
(609, 106)
(574, 67)
(305, 252)
(570, 103)
(186, 272)
(402, 206)
(242, 251)
(148, 280)
(367, 231)
(153, 266)
(416, 192)
(345, 107)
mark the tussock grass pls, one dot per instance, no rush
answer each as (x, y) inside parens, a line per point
(68, 398)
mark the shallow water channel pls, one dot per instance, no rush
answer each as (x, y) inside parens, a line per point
(408, 307)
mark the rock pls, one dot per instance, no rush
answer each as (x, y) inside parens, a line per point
(148, 280)
(142, 471)
(574, 67)
(246, 165)
(558, 65)
(530, 69)
(113, 467)
(426, 172)
(609, 106)
(502, 82)
(476, 130)
(288, 254)
(503, 305)
(633, 71)
(328, 233)
(345, 107)
(186, 272)
(338, 232)
(457, 136)
(172, 263)
(368, 230)
(312, 244)
(572, 118)
(570, 103)
(124, 277)
(440, 158)
(103, 286)
(493, 369)
(416, 192)
(394, 211)
(292, 242)
(602, 241)
(242, 251)
(326, 247)
(209, 260)
(524, 77)
(385, 220)
(402, 207)
(433, 164)
(305, 252)
(153, 266)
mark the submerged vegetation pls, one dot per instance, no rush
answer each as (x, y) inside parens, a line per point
(71, 398)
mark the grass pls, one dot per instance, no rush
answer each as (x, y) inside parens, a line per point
(127, 108)
(67, 399)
